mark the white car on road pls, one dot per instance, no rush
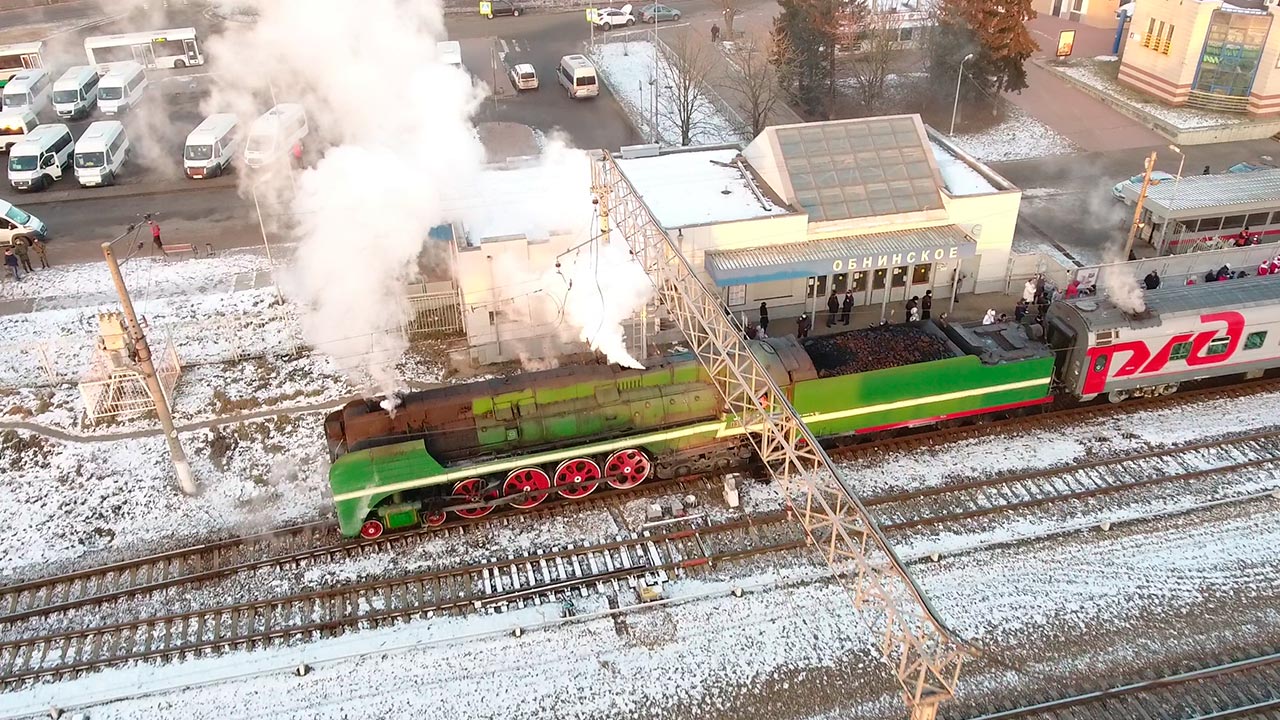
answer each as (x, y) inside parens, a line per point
(609, 18)
(1157, 177)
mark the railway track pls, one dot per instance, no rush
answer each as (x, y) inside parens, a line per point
(1242, 689)
(550, 577)
(977, 498)
(289, 547)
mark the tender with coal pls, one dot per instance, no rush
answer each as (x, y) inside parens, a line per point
(876, 348)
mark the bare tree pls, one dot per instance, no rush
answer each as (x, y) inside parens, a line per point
(754, 85)
(728, 12)
(683, 67)
(875, 44)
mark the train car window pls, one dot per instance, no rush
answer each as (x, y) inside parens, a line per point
(1275, 218)
(1232, 221)
(1208, 224)
(1256, 219)
(1180, 351)
(1100, 363)
(1217, 346)
(1255, 340)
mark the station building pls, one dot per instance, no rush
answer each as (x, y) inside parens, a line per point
(884, 207)
(1221, 55)
(1094, 13)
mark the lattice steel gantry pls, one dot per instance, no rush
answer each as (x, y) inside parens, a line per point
(913, 640)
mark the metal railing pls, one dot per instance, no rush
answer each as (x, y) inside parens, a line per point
(108, 391)
(437, 313)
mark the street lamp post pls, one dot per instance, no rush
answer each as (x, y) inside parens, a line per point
(956, 106)
(1174, 195)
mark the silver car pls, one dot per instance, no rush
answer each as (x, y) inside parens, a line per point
(524, 77)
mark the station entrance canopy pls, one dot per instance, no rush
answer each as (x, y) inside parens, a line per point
(838, 255)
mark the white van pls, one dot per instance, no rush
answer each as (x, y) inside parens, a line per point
(76, 92)
(578, 76)
(121, 88)
(274, 134)
(101, 152)
(28, 89)
(15, 223)
(14, 126)
(211, 146)
(41, 157)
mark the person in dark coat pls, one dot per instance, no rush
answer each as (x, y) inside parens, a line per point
(802, 326)
(764, 316)
(11, 262)
(846, 307)
(715, 32)
(1152, 280)
(1205, 171)
(1020, 310)
(1211, 275)
(38, 245)
(833, 307)
(926, 305)
(1224, 272)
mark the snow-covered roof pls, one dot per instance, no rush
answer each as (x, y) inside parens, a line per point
(537, 199)
(958, 177)
(697, 187)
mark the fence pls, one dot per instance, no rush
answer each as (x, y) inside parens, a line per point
(435, 313)
(109, 390)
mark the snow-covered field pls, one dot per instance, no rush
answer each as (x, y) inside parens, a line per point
(629, 68)
(1018, 137)
(1184, 118)
(249, 406)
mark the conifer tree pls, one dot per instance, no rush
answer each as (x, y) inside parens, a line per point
(995, 31)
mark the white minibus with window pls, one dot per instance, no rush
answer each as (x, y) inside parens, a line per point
(212, 146)
(28, 89)
(100, 153)
(76, 92)
(121, 88)
(274, 134)
(578, 76)
(41, 157)
(14, 126)
(18, 57)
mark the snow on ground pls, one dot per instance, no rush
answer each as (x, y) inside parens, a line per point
(787, 644)
(957, 176)
(60, 500)
(1184, 118)
(1018, 137)
(697, 186)
(629, 68)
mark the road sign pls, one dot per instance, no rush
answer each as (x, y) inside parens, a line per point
(593, 16)
(486, 8)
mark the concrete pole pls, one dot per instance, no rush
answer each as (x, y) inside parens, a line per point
(1137, 207)
(185, 479)
(262, 226)
(956, 105)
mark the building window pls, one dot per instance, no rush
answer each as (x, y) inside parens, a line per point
(920, 274)
(859, 281)
(737, 295)
(877, 282)
(840, 282)
(817, 286)
(1150, 34)
(1232, 51)
(1255, 340)
(1168, 41)
(899, 277)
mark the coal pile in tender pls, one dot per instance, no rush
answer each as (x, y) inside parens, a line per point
(874, 349)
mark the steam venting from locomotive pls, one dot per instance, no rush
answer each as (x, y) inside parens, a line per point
(400, 147)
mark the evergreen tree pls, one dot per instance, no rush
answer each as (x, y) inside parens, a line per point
(995, 31)
(803, 52)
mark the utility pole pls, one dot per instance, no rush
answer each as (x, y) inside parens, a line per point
(1137, 207)
(185, 480)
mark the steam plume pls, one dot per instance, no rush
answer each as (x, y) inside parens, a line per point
(398, 125)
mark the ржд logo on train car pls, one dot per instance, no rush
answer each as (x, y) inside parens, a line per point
(1190, 347)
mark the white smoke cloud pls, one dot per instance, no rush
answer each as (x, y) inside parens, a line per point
(601, 286)
(398, 144)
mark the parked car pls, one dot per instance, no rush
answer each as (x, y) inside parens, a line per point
(524, 77)
(1245, 167)
(659, 13)
(503, 7)
(609, 18)
(1157, 176)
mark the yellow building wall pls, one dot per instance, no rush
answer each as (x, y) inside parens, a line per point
(1265, 98)
(1155, 62)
